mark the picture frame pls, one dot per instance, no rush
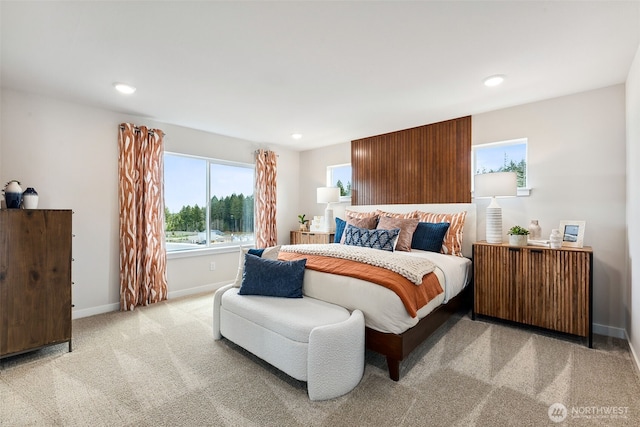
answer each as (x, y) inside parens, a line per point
(572, 233)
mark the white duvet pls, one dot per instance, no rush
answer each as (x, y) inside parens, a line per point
(382, 308)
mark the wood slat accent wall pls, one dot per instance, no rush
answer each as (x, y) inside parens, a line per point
(426, 164)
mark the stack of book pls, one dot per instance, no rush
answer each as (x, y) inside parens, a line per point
(534, 242)
(317, 223)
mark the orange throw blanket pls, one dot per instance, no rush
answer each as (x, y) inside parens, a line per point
(413, 296)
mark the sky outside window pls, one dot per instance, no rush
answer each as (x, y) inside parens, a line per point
(493, 157)
(185, 182)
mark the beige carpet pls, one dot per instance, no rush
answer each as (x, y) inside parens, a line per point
(160, 366)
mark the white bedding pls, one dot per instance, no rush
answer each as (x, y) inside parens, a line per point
(382, 308)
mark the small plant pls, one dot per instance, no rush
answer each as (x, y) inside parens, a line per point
(516, 230)
(301, 218)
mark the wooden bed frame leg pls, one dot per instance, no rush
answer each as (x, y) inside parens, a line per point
(394, 368)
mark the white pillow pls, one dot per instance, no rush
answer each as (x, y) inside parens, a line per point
(268, 253)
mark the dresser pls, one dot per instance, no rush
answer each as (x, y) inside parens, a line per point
(35, 279)
(537, 286)
(303, 237)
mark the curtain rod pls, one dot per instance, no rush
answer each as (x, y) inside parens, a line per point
(151, 131)
(258, 152)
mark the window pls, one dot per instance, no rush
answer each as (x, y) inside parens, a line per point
(340, 176)
(208, 202)
(505, 156)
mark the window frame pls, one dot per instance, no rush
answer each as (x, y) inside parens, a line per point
(522, 191)
(209, 248)
(330, 180)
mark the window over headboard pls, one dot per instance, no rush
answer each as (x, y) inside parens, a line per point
(340, 176)
(426, 164)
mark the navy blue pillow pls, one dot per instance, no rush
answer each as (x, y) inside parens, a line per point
(340, 224)
(429, 236)
(256, 252)
(375, 239)
(273, 278)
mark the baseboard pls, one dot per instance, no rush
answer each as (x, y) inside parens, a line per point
(633, 352)
(92, 311)
(101, 309)
(609, 331)
(197, 290)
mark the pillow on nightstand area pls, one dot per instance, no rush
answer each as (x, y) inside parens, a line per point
(268, 253)
(272, 278)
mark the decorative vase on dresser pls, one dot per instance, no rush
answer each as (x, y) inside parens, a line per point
(13, 194)
(555, 239)
(30, 198)
(535, 232)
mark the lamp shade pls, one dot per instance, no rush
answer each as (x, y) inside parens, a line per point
(328, 195)
(496, 184)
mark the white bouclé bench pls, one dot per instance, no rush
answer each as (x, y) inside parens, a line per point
(308, 339)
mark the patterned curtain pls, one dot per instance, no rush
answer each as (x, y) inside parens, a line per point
(143, 260)
(265, 200)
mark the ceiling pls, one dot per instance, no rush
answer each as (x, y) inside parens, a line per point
(333, 71)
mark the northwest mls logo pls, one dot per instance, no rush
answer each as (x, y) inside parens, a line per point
(557, 412)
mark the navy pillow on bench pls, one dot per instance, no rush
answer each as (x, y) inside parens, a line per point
(272, 278)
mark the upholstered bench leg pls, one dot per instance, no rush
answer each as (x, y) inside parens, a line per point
(335, 362)
(217, 302)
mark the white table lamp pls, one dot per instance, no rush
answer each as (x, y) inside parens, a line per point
(495, 184)
(328, 195)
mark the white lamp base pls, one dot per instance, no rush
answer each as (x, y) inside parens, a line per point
(494, 222)
(329, 224)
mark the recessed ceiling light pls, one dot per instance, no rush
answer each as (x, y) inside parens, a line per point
(124, 88)
(494, 80)
(296, 135)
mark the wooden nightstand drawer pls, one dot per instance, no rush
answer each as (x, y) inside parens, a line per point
(303, 237)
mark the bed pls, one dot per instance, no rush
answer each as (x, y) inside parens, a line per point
(390, 329)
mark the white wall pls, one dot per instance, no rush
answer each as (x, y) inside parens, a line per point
(576, 172)
(68, 153)
(632, 297)
(314, 164)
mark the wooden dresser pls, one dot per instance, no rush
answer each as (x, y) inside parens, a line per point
(302, 237)
(35, 279)
(543, 287)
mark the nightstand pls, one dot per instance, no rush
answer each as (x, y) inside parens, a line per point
(302, 237)
(537, 286)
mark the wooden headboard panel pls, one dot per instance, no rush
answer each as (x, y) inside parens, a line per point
(425, 164)
(469, 232)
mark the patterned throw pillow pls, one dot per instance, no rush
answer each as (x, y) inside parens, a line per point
(406, 225)
(368, 222)
(376, 239)
(429, 236)
(413, 214)
(452, 243)
(268, 253)
(359, 215)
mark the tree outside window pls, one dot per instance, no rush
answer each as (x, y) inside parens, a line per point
(340, 176)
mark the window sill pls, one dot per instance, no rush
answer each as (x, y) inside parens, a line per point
(206, 251)
(522, 192)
